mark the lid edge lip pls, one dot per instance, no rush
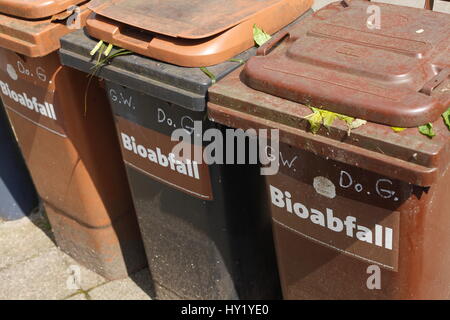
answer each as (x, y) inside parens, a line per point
(46, 39)
(29, 49)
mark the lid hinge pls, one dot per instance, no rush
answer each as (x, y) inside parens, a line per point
(272, 43)
(434, 82)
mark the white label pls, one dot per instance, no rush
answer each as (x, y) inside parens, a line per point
(324, 187)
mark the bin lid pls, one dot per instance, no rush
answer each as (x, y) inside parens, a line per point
(195, 19)
(189, 33)
(37, 38)
(35, 9)
(395, 73)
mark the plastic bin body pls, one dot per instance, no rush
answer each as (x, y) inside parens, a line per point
(17, 194)
(70, 148)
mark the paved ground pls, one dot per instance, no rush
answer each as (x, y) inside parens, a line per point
(32, 267)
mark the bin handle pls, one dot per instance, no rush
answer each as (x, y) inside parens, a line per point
(122, 39)
(267, 47)
(435, 81)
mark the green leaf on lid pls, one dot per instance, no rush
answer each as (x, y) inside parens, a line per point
(260, 36)
(446, 117)
(427, 130)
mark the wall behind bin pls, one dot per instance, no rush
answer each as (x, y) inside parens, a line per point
(439, 5)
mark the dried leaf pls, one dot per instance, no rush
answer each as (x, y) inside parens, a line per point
(345, 118)
(100, 63)
(97, 46)
(325, 117)
(315, 121)
(398, 129)
(260, 36)
(357, 123)
(209, 74)
(108, 50)
(328, 117)
(240, 61)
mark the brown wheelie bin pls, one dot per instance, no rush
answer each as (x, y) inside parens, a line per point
(204, 233)
(68, 142)
(359, 214)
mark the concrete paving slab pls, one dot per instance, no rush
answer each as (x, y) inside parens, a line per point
(32, 267)
(137, 288)
(44, 277)
(79, 296)
(81, 277)
(24, 239)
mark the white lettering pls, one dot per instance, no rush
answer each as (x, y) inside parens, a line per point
(46, 109)
(284, 200)
(186, 167)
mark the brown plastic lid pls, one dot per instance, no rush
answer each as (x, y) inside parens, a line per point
(35, 9)
(195, 19)
(189, 33)
(36, 38)
(397, 75)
